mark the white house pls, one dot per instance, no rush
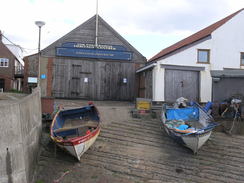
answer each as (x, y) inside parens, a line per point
(208, 65)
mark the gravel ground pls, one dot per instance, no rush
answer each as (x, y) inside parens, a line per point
(130, 150)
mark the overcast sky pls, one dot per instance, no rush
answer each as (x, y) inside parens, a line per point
(149, 25)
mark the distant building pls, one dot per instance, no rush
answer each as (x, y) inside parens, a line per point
(206, 66)
(75, 66)
(11, 67)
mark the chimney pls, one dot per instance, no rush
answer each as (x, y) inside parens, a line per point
(0, 36)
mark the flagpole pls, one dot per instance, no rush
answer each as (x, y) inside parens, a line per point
(96, 44)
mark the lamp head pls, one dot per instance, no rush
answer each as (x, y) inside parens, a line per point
(39, 23)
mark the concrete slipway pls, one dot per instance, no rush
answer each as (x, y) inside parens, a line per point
(137, 150)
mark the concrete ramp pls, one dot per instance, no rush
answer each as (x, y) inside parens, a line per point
(111, 114)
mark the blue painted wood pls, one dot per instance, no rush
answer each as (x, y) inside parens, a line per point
(93, 53)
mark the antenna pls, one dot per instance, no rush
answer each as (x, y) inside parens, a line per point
(96, 44)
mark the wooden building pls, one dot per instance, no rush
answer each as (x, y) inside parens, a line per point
(86, 65)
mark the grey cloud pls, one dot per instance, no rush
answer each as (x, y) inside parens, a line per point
(199, 15)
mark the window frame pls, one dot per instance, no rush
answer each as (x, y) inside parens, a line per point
(208, 56)
(241, 54)
(5, 62)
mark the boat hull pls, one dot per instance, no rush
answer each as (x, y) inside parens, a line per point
(77, 147)
(190, 126)
(193, 142)
(75, 130)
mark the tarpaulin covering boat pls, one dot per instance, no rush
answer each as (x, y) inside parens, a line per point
(75, 130)
(190, 125)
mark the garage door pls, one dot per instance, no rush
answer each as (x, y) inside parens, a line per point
(181, 83)
(228, 87)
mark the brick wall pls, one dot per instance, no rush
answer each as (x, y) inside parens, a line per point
(25, 87)
(49, 77)
(48, 100)
(7, 73)
(47, 105)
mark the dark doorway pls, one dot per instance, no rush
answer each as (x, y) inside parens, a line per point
(2, 82)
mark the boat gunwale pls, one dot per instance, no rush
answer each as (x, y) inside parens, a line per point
(75, 140)
(188, 134)
(211, 125)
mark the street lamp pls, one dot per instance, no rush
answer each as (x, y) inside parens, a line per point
(39, 24)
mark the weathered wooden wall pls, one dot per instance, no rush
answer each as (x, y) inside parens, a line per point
(104, 76)
(145, 84)
(105, 79)
(85, 33)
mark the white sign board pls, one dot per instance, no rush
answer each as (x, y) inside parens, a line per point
(32, 80)
(85, 80)
(124, 80)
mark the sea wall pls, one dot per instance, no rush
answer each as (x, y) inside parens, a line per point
(20, 132)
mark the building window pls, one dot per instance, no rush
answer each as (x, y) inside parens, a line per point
(4, 62)
(203, 56)
(242, 58)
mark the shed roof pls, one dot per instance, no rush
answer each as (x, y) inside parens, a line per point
(227, 73)
(194, 37)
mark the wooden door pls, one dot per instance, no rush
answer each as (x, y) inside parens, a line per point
(80, 82)
(181, 83)
(75, 80)
(142, 85)
(107, 81)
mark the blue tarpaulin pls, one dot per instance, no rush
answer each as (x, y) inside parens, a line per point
(189, 113)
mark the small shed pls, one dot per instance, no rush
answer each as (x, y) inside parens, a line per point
(227, 83)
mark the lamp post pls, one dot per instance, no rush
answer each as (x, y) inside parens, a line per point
(39, 24)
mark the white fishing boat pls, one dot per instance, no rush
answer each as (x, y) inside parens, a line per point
(75, 130)
(190, 126)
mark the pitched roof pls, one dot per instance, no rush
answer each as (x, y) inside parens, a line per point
(93, 19)
(16, 51)
(195, 37)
